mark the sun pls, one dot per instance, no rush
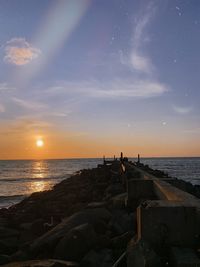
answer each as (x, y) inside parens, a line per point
(39, 143)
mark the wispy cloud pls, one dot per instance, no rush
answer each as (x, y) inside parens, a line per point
(25, 124)
(138, 59)
(141, 63)
(182, 110)
(28, 104)
(118, 88)
(59, 114)
(19, 52)
(138, 89)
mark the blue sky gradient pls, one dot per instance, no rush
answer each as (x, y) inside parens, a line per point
(98, 76)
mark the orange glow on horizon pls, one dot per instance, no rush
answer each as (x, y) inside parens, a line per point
(71, 145)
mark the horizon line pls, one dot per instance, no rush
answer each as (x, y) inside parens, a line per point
(71, 158)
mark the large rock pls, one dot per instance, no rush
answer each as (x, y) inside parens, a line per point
(49, 240)
(77, 242)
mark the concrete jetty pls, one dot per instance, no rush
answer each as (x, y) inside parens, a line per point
(119, 214)
(167, 217)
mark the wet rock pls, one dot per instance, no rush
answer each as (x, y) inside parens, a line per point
(76, 243)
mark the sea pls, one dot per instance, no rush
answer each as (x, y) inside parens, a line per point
(20, 178)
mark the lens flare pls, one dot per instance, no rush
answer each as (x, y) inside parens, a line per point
(60, 21)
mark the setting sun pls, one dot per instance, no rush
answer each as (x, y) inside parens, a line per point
(39, 143)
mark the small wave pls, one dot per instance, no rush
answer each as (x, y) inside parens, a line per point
(7, 201)
(18, 180)
(12, 197)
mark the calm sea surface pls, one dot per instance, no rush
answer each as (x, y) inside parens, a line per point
(19, 178)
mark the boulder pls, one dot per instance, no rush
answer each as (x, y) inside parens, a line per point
(51, 238)
(77, 242)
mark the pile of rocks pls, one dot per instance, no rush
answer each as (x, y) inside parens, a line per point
(82, 221)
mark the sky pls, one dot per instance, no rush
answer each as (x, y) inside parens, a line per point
(97, 77)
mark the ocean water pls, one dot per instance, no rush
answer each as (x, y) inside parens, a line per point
(20, 178)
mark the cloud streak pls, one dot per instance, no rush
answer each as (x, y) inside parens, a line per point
(19, 52)
(182, 110)
(137, 59)
(28, 104)
(140, 61)
(116, 89)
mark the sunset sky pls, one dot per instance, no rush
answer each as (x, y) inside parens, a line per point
(96, 77)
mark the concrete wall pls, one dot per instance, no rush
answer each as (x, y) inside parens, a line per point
(167, 222)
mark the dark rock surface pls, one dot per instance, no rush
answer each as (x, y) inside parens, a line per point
(75, 221)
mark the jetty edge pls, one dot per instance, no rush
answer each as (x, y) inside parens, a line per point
(121, 213)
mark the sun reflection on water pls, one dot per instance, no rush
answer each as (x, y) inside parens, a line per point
(40, 173)
(39, 186)
(39, 169)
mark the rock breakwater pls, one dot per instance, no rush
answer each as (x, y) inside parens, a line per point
(117, 214)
